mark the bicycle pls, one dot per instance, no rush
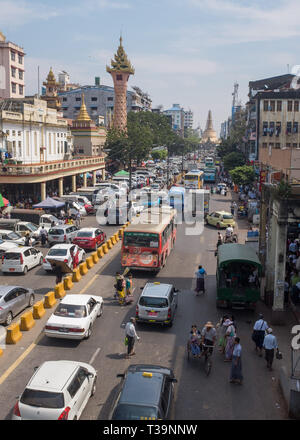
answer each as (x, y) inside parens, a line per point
(207, 352)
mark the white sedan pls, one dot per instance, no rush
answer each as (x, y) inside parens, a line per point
(62, 252)
(74, 317)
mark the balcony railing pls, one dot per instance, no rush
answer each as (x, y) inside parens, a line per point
(50, 167)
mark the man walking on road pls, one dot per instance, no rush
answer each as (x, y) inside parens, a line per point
(131, 335)
(270, 343)
(258, 334)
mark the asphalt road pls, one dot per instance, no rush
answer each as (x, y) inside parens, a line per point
(196, 396)
(37, 278)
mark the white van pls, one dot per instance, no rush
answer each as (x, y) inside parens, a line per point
(76, 198)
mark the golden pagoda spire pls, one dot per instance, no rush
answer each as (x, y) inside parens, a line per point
(83, 114)
(50, 77)
(121, 61)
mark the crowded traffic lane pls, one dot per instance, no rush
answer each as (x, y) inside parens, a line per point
(197, 396)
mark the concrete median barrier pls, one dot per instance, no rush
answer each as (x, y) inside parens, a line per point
(109, 244)
(113, 239)
(105, 248)
(59, 290)
(121, 232)
(68, 283)
(27, 321)
(100, 252)
(90, 262)
(13, 334)
(49, 300)
(83, 268)
(76, 275)
(38, 310)
(95, 257)
(116, 237)
(1, 352)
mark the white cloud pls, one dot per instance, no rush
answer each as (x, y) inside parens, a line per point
(20, 12)
(237, 23)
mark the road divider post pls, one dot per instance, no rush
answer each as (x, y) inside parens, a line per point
(59, 290)
(38, 310)
(49, 300)
(89, 262)
(13, 334)
(83, 268)
(27, 321)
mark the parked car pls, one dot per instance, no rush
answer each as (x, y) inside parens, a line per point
(21, 259)
(74, 317)
(90, 238)
(146, 393)
(220, 219)
(21, 227)
(13, 300)
(58, 390)
(62, 252)
(12, 237)
(157, 304)
(62, 234)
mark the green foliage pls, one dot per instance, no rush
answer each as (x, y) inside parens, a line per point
(233, 160)
(242, 175)
(144, 129)
(159, 154)
(284, 189)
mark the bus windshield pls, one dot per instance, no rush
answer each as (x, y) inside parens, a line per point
(141, 239)
(191, 177)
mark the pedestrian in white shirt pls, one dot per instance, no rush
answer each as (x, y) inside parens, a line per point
(131, 335)
(270, 344)
(258, 334)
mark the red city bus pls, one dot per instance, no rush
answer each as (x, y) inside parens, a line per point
(147, 243)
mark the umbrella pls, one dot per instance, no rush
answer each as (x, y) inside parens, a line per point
(3, 201)
(121, 173)
(49, 203)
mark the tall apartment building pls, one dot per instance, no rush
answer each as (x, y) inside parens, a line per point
(177, 113)
(99, 100)
(275, 83)
(188, 119)
(12, 78)
(279, 131)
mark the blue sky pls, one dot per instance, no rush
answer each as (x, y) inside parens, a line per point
(184, 51)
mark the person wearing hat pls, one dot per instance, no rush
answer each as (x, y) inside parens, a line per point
(270, 344)
(258, 334)
(131, 335)
(208, 334)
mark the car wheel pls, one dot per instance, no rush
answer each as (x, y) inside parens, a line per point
(25, 270)
(100, 311)
(170, 323)
(31, 301)
(89, 332)
(41, 261)
(8, 319)
(94, 387)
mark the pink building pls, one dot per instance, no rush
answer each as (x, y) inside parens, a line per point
(12, 84)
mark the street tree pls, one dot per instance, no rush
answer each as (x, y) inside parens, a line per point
(232, 160)
(243, 175)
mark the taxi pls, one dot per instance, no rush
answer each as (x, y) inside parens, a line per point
(220, 219)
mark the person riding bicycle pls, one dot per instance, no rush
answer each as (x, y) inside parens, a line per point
(194, 341)
(228, 233)
(209, 335)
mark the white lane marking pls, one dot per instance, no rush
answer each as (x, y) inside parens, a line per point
(94, 355)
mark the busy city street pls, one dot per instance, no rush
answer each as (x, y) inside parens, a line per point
(196, 395)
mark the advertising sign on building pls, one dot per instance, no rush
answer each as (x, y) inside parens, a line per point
(262, 178)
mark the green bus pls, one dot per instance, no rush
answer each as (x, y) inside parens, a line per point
(238, 276)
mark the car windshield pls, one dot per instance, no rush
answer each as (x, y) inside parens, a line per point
(56, 232)
(141, 239)
(32, 227)
(1, 241)
(152, 301)
(84, 234)
(13, 236)
(134, 412)
(42, 399)
(70, 311)
(57, 252)
(227, 216)
(12, 256)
